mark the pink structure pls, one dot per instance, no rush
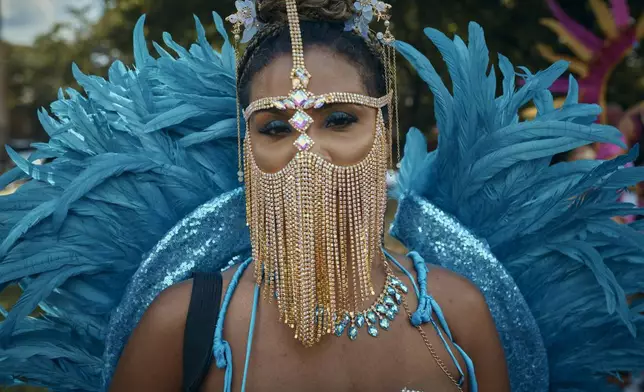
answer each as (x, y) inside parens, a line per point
(594, 60)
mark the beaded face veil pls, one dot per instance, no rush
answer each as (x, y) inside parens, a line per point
(316, 226)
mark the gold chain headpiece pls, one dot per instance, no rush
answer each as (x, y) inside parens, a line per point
(315, 226)
(300, 99)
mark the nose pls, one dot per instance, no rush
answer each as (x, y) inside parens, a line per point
(319, 149)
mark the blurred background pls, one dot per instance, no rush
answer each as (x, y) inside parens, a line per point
(39, 40)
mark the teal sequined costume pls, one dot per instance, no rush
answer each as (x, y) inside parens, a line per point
(142, 191)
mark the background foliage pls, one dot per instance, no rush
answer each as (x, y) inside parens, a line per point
(512, 27)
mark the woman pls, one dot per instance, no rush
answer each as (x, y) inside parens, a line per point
(344, 135)
(531, 277)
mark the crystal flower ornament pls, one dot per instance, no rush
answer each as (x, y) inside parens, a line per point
(365, 10)
(245, 16)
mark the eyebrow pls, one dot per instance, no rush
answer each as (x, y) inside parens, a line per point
(325, 107)
(271, 111)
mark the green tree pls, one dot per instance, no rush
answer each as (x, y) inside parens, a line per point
(38, 71)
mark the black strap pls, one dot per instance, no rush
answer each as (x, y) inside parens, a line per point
(200, 329)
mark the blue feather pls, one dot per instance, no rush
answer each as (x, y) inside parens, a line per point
(74, 239)
(141, 53)
(573, 91)
(549, 226)
(178, 49)
(427, 72)
(415, 153)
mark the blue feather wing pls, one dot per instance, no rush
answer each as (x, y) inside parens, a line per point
(549, 226)
(133, 156)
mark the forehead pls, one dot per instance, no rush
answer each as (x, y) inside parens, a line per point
(330, 73)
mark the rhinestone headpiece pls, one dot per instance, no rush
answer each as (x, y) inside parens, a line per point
(300, 99)
(315, 225)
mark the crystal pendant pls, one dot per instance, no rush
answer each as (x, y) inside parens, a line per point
(303, 77)
(371, 317)
(299, 97)
(396, 282)
(353, 333)
(303, 143)
(319, 315)
(301, 121)
(379, 316)
(319, 103)
(339, 329)
(360, 320)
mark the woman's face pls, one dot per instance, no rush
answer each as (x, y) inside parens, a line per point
(343, 133)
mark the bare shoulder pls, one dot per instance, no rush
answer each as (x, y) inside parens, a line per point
(170, 307)
(470, 321)
(152, 358)
(460, 298)
(237, 313)
(461, 301)
(240, 304)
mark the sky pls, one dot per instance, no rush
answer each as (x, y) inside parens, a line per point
(23, 20)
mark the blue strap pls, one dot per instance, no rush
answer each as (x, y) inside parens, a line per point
(474, 386)
(411, 278)
(220, 348)
(449, 351)
(427, 306)
(251, 331)
(423, 313)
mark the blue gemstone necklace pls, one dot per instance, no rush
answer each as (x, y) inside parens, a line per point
(377, 317)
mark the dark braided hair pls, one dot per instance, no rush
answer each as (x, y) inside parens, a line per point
(322, 25)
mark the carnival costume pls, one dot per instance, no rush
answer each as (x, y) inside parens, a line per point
(143, 190)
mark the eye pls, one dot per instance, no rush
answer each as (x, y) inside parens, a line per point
(275, 128)
(340, 119)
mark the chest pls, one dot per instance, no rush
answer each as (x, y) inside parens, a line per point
(395, 360)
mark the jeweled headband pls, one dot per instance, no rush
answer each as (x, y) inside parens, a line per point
(316, 226)
(300, 99)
